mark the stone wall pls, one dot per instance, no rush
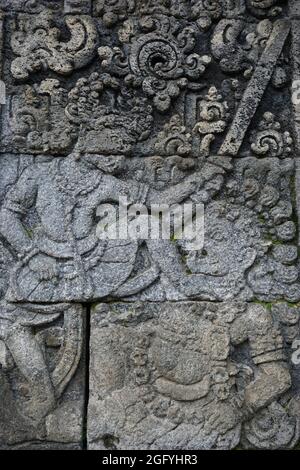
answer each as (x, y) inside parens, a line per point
(135, 342)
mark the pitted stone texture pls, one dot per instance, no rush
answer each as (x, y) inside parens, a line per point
(160, 102)
(78, 6)
(29, 46)
(30, 6)
(41, 376)
(191, 375)
(294, 8)
(52, 246)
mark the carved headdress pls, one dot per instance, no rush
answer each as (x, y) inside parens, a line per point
(111, 121)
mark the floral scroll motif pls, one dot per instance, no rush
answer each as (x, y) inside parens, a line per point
(37, 44)
(161, 61)
(270, 140)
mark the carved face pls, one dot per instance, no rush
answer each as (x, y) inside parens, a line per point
(184, 349)
(224, 251)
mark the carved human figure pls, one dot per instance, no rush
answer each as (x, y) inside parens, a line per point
(226, 391)
(62, 259)
(183, 371)
(220, 266)
(19, 339)
(25, 332)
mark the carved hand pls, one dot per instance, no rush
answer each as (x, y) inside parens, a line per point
(44, 266)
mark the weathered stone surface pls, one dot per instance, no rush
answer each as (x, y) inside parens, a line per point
(30, 6)
(249, 249)
(78, 6)
(41, 376)
(157, 102)
(191, 375)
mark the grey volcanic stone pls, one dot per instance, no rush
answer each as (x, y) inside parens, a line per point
(112, 111)
(41, 376)
(190, 375)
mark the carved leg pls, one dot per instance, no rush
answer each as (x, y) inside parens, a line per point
(31, 363)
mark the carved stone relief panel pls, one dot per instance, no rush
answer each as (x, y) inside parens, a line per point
(130, 105)
(192, 375)
(41, 376)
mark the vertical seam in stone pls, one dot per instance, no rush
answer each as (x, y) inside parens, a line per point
(87, 377)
